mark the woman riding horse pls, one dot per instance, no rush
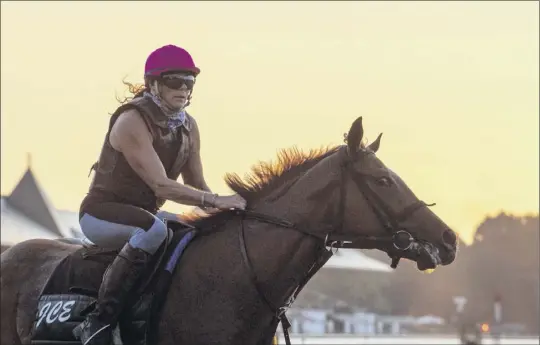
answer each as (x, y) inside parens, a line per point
(150, 142)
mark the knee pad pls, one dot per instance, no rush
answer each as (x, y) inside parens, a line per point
(151, 239)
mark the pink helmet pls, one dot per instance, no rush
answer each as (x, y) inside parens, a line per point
(169, 58)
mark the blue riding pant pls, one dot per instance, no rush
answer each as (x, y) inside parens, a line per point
(111, 225)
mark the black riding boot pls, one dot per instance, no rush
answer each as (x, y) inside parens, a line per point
(118, 282)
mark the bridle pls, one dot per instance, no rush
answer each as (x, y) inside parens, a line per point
(398, 242)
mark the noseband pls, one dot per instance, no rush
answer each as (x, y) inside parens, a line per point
(397, 241)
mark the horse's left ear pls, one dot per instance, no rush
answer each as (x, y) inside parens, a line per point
(354, 137)
(374, 146)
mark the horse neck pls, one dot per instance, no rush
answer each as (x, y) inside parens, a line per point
(310, 198)
(284, 256)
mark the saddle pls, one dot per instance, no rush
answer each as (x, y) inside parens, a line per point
(72, 289)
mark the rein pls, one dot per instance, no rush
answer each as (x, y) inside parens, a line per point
(397, 242)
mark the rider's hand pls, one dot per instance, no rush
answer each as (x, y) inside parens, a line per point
(230, 201)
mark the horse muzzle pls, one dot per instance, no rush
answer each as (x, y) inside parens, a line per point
(426, 256)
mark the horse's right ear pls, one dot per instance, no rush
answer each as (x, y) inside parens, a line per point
(355, 135)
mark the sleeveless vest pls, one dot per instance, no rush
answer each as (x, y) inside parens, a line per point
(115, 180)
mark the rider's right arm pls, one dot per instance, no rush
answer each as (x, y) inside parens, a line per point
(131, 137)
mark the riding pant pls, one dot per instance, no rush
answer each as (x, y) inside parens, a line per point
(111, 225)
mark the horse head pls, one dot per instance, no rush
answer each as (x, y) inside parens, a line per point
(349, 198)
(411, 228)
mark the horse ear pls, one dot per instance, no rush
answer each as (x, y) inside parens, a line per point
(354, 137)
(374, 146)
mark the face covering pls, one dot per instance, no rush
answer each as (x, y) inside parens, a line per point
(174, 117)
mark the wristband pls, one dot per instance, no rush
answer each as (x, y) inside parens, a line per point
(212, 203)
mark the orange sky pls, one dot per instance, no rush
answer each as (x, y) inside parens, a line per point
(453, 86)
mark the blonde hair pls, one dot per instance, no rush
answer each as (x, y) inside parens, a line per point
(135, 89)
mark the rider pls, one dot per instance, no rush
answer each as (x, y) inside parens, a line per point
(151, 141)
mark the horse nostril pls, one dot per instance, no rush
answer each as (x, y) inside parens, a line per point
(449, 237)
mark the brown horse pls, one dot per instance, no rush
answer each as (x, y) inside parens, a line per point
(230, 283)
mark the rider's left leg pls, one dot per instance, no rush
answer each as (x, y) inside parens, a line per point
(117, 283)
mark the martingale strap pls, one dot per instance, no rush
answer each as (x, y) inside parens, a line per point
(279, 312)
(282, 317)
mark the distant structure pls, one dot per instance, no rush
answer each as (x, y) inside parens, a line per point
(27, 213)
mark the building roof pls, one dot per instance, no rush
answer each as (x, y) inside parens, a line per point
(27, 213)
(30, 200)
(17, 227)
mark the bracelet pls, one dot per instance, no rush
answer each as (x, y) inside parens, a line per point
(211, 203)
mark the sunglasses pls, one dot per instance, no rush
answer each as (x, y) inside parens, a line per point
(177, 83)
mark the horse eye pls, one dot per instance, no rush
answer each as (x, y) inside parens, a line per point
(384, 182)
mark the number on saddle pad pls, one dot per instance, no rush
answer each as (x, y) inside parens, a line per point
(56, 317)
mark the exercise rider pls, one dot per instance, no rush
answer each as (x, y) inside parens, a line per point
(150, 142)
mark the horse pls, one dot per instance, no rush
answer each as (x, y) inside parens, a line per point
(236, 279)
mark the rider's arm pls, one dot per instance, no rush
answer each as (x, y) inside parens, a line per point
(193, 172)
(131, 137)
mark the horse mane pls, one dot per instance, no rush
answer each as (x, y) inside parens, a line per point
(265, 177)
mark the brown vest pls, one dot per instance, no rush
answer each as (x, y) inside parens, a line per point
(114, 178)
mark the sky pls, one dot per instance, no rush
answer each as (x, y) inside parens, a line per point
(453, 87)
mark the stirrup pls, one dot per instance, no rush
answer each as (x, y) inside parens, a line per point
(77, 331)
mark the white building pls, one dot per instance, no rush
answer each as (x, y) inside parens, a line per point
(27, 213)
